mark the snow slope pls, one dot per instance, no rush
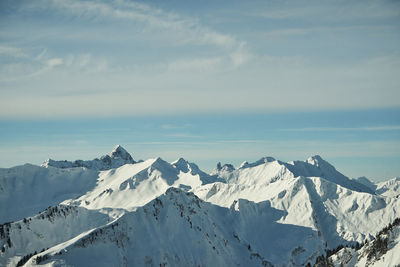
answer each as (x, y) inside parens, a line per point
(134, 185)
(28, 189)
(314, 166)
(178, 229)
(367, 182)
(51, 227)
(390, 188)
(338, 213)
(153, 212)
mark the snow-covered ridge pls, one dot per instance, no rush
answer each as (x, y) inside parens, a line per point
(261, 213)
(269, 168)
(131, 186)
(390, 188)
(179, 229)
(118, 157)
(49, 228)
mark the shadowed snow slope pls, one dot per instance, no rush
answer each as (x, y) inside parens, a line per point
(26, 190)
(365, 181)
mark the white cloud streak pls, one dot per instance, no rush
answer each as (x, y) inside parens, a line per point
(338, 11)
(11, 51)
(190, 29)
(344, 129)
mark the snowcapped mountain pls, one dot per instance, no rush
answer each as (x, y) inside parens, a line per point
(390, 188)
(339, 214)
(179, 229)
(134, 185)
(118, 157)
(119, 212)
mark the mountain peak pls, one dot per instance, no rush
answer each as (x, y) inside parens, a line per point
(315, 160)
(119, 152)
(223, 168)
(118, 157)
(319, 162)
(180, 161)
(261, 161)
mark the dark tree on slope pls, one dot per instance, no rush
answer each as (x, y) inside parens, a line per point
(378, 248)
(323, 261)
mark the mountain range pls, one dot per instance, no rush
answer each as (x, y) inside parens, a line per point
(116, 211)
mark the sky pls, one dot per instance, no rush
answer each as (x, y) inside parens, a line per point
(206, 80)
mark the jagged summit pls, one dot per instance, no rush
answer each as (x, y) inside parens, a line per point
(191, 168)
(222, 168)
(181, 164)
(118, 157)
(316, 166)
(318, 161)
(120, 152)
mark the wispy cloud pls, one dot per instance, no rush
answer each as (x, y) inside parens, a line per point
(312, 30)
(175, 126)
(52, 62)
(11, 51)
(332, 11)
(344, 129)
(183, 135)
(28, 64)
(196, 64)
(189, 29)
(115, 58)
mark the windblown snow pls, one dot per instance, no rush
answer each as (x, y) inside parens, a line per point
(115, 211)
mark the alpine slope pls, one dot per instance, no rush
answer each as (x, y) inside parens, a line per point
(116, 211)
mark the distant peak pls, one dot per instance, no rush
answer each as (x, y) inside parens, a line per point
(219, 166)
(118, 149)
(120, 152)
(180, 161)
(268, 159)
(223, 168)
(160, 163)
(158, 160)
(244, 164)
(316, 160)
(315, 157)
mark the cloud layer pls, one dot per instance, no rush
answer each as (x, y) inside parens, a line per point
(116, 58)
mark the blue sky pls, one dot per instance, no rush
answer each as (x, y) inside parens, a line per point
(207, 80)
